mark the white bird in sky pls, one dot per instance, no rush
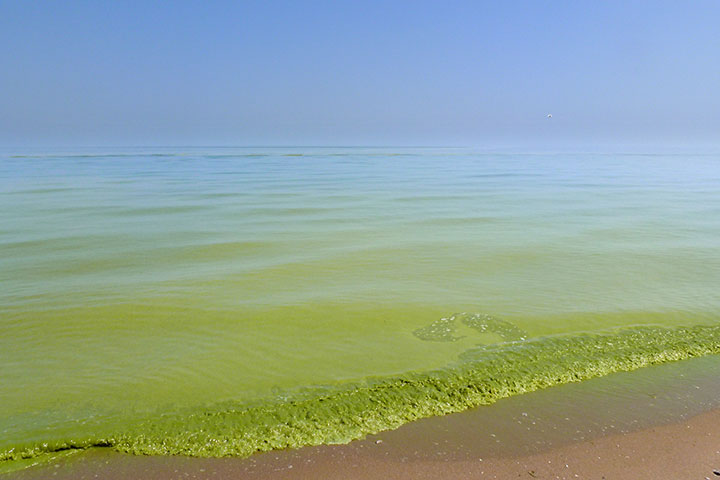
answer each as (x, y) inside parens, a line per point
(549, 115)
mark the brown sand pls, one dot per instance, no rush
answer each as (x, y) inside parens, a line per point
(687, 450)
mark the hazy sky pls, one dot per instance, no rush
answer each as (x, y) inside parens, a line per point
(359, 73)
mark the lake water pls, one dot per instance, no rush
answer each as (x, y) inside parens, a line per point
(219, 301)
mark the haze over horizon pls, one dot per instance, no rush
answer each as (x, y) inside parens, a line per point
(349, 73)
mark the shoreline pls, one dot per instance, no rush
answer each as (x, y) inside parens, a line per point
(685, 450)
(662, 420)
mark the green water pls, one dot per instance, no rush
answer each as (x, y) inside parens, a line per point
(220, 301)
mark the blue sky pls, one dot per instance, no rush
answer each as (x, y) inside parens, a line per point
(359, 73)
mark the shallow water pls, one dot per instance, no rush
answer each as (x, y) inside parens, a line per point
(170, 300)
(535, 423)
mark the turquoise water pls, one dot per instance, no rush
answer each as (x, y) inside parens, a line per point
(218, 301)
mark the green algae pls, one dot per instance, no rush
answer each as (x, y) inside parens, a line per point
(176, 302)
(35, 460)
(444, 329)
(338, 414)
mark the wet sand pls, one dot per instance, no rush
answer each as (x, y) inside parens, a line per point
(660, 422)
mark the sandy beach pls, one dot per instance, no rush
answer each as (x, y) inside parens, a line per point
(685, 450)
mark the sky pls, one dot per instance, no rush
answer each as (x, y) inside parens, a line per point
(465, 73)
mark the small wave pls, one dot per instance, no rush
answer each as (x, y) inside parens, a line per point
(338, 414)
(99, 155)
(218, 155)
